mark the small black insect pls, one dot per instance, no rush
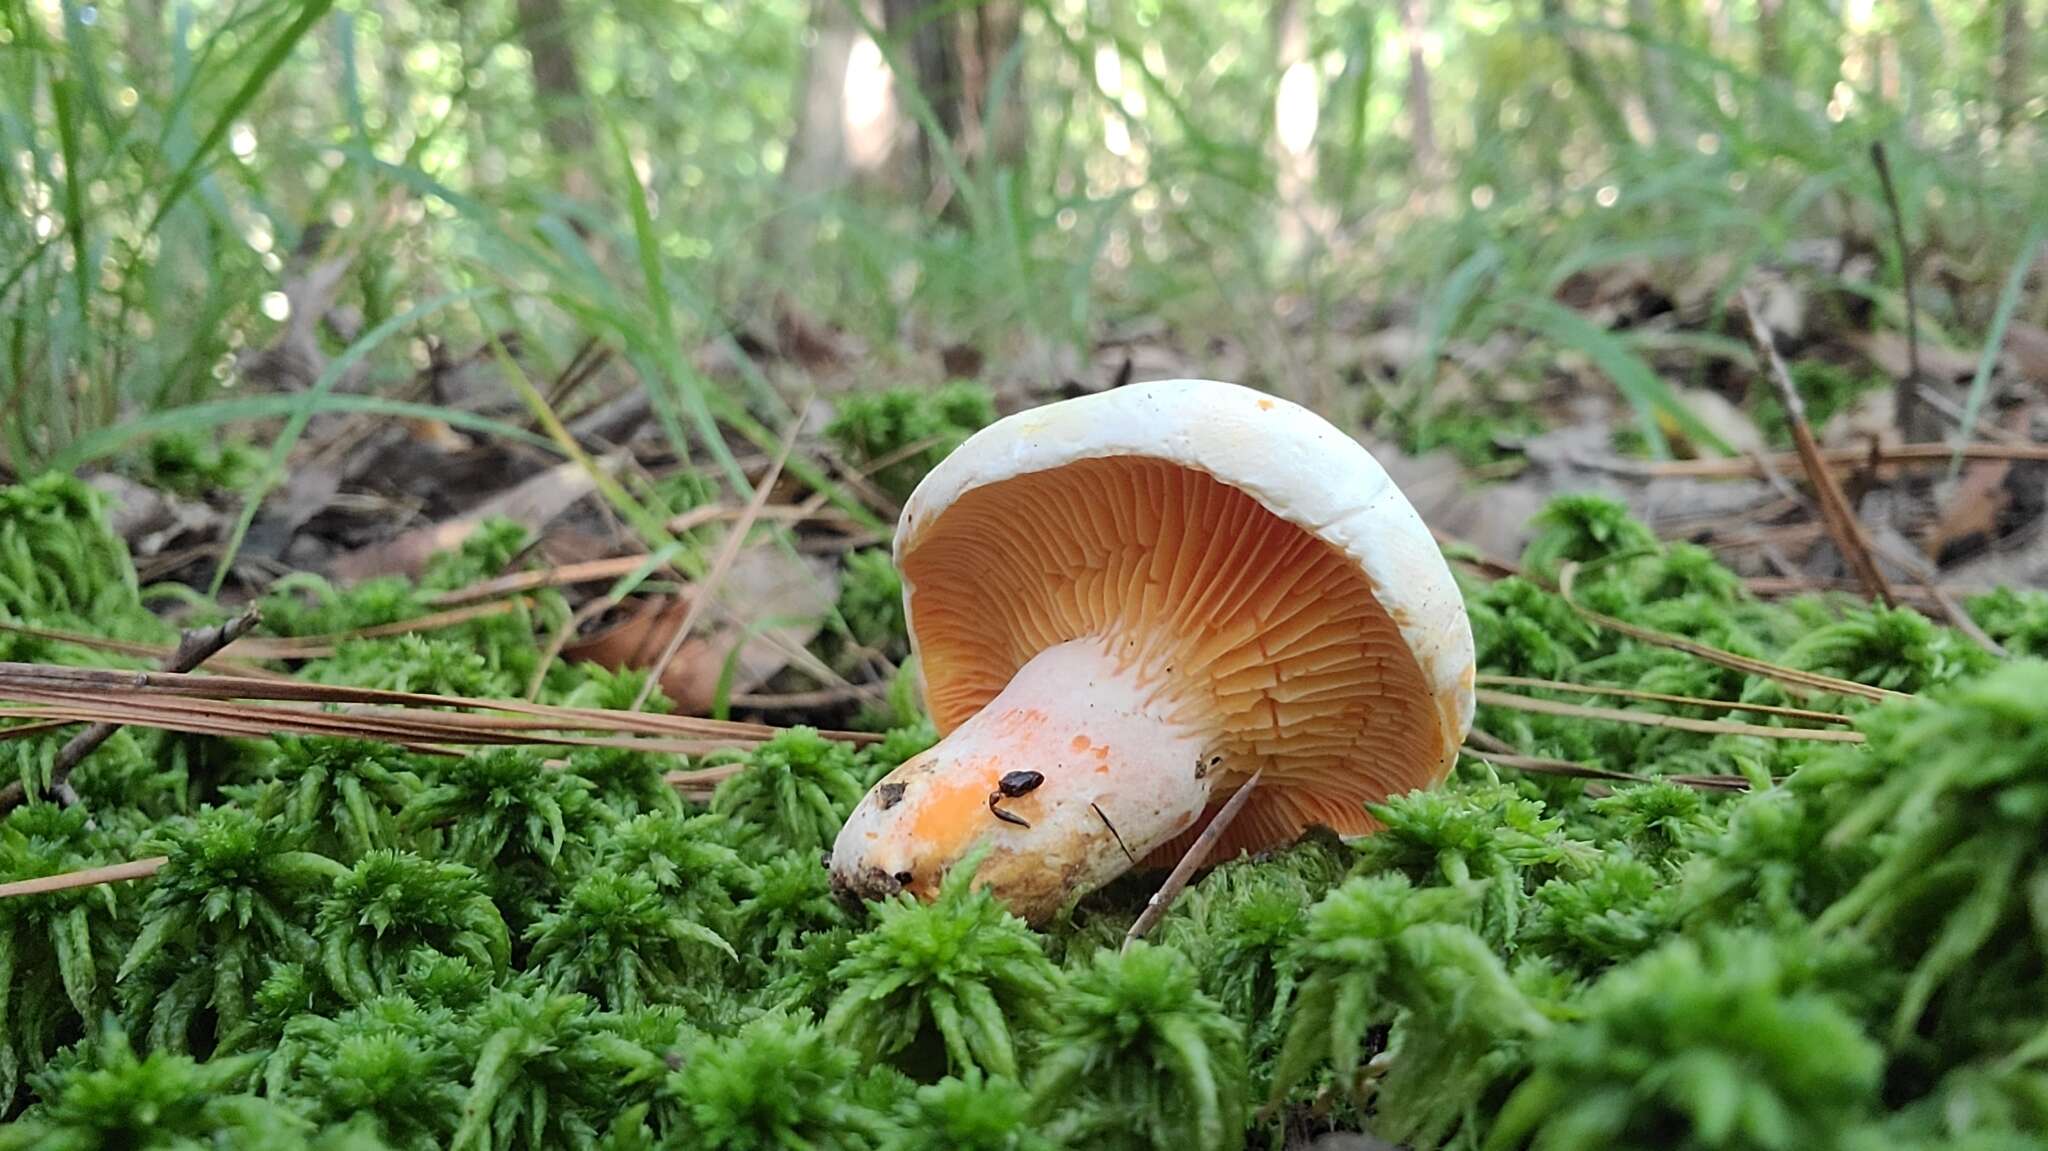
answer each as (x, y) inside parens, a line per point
(1016, 783)
(1012, 785)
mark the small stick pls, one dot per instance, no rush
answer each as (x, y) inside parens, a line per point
(1198, 851)
(1114, 833)
(194, 648)
(1544, 765)
(89, 877)
(1834, 506)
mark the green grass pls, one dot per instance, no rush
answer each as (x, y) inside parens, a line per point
(151, 197)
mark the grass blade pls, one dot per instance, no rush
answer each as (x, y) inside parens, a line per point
(2001, 319)
(252, 86)
(1638, 382)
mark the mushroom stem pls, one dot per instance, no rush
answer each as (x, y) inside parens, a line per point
(1083, 763)
(1190, 862)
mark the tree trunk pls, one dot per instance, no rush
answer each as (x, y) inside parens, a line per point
(1421, 115)
(2012, 65)
(817, 162)
(999, 108)
(953, 57)
(1770, 40)
(927, 37)
(558, 88)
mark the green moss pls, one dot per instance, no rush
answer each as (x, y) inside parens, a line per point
(1721, 1044)
(777, 1083)
(960, 974)
(793, 794)
(912, 429)
(391, 907)
(1141, 1057)
(194, 465)
(516, 948)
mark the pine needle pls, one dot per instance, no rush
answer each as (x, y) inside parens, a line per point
(721, 564)
(85, 877)
(1792, 676)
(1661, 697)
(1653, 719)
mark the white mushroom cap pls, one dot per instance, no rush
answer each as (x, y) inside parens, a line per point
(1253, 544)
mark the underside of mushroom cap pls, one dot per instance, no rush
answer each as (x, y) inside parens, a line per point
(1254, 564)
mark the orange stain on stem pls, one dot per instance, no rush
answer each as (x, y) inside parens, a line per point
(950, 811)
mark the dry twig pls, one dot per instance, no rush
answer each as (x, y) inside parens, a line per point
(1190, 862)
(194, 648)
(1834, 507)
(1661, 697)
(85, 877)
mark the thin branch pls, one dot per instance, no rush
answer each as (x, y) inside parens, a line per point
(1791, 676)
(54, 687)
(589, 571)
(322, 646)
(1834, 506)
(1190, 862)
(195, 647)
(87, 877)
(1752, 467)
(1661, 697)
(1515, 702)
(1544, 765)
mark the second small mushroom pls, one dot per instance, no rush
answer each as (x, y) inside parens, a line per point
(1126, 605)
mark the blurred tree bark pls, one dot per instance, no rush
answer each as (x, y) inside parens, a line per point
(954, 55)
(1770, 39)
(2013, 64)
(558, 88)
(1421, 114)
(1585, 77)
(817, 162)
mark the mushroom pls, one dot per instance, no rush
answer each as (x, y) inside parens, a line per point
(1128, 605)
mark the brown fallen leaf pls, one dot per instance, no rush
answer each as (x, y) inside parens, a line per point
(535, 503)
(1976, 505)
(775, 607)
(2026, 345)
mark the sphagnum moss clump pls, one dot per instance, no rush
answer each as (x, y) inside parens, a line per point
(357, 947)
(960, 969)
